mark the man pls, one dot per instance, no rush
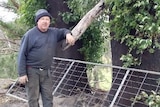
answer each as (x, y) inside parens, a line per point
(35, 57)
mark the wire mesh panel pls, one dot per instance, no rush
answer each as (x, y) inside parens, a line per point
(71, 82)
(72, 86)
(135, 83)
(17, 91)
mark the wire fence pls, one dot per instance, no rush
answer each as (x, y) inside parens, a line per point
(72, 86)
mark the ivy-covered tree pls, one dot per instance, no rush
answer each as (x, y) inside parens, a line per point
(135, 25)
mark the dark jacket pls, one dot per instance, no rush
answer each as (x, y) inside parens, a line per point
(38, 48)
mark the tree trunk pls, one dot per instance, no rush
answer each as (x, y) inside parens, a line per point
(55, 7)
(149, 61)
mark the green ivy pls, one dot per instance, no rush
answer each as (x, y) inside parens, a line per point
(27, 10)
(129, 60)
(92, 44)
(69, 17)
(93, 40)
(81, 7)
(136, 23)
(152, 99)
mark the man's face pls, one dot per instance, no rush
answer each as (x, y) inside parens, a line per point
(43, 23)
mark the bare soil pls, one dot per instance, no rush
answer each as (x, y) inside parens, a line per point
(7, 101)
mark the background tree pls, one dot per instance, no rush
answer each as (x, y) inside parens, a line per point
(9, 41)
(136, 33)
(68, 17)
(134, 27)
(136, 37)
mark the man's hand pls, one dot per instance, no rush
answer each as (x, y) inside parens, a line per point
(70, 39)
(23, 79)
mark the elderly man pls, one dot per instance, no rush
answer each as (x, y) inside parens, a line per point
(35, 57)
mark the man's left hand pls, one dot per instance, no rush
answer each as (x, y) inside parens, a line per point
(70, 39)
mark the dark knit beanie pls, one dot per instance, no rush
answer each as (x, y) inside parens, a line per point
(40, 13)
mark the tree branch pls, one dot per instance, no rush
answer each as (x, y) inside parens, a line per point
(15, 4)
(87, 19)
(11, 41)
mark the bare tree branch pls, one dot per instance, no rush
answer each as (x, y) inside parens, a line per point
(87, 19)
(11, 41)
(15, 4)
(6, 6)
(12, 5)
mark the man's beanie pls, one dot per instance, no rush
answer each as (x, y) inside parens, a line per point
(40, 13)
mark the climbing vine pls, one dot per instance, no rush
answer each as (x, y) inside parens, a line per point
(93, 40)
(135, 23)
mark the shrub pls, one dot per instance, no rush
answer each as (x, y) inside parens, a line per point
(8, 67)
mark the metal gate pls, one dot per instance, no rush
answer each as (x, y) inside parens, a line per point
(72, 89)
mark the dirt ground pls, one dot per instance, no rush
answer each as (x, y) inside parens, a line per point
(7, 101)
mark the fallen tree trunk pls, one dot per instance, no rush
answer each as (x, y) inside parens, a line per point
(87, 19)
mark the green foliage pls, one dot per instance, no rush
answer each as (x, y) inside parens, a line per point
(136, 23)
(93, 40)
(152, 99)
(81, 7)
(92, 44)
(69, 17)
(8, 67)
(27, 10)
(11, 31)
(12, 5)
(129, 60)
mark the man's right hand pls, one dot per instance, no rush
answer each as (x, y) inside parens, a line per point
(23, 79)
